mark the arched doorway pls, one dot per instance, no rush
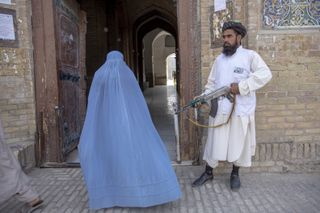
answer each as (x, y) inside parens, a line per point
(158, 67)
(144, 24)
(108, 25)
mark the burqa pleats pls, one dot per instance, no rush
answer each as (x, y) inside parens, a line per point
(123, 158)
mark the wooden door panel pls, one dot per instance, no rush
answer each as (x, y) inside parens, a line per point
(58, 31)
(68, 60)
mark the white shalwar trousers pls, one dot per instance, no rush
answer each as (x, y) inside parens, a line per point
(234, 142)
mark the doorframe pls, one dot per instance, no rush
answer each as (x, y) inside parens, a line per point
(189, 39)
(48, 144)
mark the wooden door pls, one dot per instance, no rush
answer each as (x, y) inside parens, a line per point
(70, 43)
(58, 31)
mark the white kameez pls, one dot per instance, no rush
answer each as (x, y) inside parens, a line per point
(235, 141)
(13, 181)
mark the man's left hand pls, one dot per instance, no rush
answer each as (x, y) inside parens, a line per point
(234, 88)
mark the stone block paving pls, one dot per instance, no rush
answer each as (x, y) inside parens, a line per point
(64, 192)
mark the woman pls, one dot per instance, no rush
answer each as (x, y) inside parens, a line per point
(123, 158)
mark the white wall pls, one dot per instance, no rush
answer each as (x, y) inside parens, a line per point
(160, 53)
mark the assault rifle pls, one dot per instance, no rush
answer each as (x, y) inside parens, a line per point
(223, 91)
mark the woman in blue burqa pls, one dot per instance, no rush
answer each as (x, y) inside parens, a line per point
(122, 156)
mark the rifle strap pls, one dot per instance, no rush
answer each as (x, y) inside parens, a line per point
(218, 125)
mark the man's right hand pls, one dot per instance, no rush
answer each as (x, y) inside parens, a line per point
(196, 103)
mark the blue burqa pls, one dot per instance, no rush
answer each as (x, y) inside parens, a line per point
(122, 156)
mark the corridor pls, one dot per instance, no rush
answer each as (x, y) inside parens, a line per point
(160, 100)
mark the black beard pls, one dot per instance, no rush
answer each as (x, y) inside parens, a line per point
(230, 49)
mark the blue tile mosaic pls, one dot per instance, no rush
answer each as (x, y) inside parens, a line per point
(291, 13)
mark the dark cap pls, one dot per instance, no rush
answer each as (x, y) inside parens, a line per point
(236, 26)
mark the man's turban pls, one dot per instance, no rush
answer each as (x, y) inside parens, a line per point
(236, 26)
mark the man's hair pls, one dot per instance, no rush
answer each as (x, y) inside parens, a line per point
(236, 26)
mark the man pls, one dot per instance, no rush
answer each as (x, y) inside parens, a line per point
(245, 72)
(13, 180)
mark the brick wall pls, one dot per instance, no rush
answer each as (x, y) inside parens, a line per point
(287, 115)
(207, 54)
(17, 103)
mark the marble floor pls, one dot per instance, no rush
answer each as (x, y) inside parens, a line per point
(160, 101)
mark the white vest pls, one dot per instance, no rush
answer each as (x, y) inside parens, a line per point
(233, 69)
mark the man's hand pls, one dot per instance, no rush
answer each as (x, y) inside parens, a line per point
(234, 88)
(196, 105)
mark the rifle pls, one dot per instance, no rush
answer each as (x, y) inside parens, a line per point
(223, 91)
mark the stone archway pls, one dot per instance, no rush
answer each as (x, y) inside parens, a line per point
(160, 51)
(144, 24)
(188, 37)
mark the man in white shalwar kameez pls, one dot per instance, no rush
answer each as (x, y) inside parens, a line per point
(245, 72)
(13, 181)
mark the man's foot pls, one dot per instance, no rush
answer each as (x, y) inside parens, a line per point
(235, 182)
(202, 179)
